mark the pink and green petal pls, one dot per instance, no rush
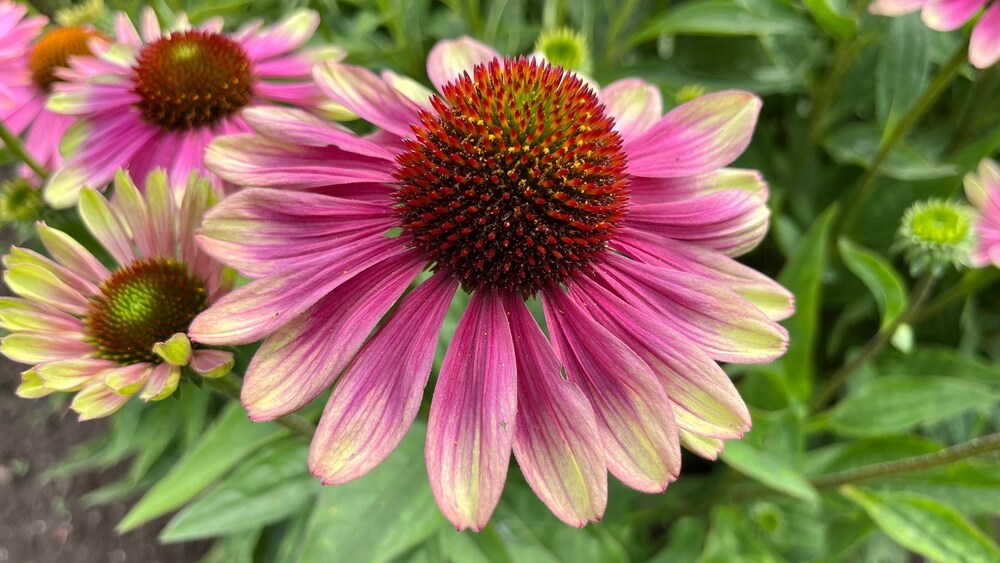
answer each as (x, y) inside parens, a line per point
(128, 380)
(298, 362)
(38, 319)
(377, 399)
(368, 96)
(645, 191)
(634, 104)
(286, 35)
(211, 364)
(162, 382)
(984, 47)
(24, 257)
(97, 401)
(450, 58)
(470, 430)
(73, 374)
(949, 15)
(632, 410)
(698, 137)
(298, 127)
(556, 438)
(40, 347)
(71, 254)
(176, 350)
(979, 184)
(708, 448)
(39, 284)
(32, 387)
(106, 226)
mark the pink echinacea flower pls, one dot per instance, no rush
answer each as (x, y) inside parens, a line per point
(983, 190)
(516, 181)
(949, 15)
(109, 334)
(155, 99)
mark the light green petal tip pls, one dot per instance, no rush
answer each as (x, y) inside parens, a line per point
(176, 351)
(32, 386)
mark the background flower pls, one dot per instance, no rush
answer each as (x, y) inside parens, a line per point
(949, 15)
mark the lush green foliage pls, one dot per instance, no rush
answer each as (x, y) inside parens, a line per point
(862, 117)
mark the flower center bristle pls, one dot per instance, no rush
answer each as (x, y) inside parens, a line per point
(53, 50)
(142, 304)
(192, 78)
(517, 182)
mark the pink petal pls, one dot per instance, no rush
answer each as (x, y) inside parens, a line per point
(634, 104)
(40, 347)
(732, 221)
(368, 96)
(556, 439)
(97, 401)
(722, 323)
(984, 47)
(377, 399)
(263, 306)
(645, 191)
(704, 399)
(471, 426)
(297, 127)
(106, 226)
(633, 412)
(450, 58)
(212, 363)
(948, 15)
(286, 35)
(700, 136)
(304, 357)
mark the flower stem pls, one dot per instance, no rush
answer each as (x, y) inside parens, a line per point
(875, 345)
(230, 386)
(919, 109)
(972, 283)
(16, 147)
(972, 448)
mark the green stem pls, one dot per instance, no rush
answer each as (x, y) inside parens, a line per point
(977, 99)
(844, 56)
(16, 147)
(896, 134)
(972, 448)
(875, 345)
(230, 386)
(974, 281)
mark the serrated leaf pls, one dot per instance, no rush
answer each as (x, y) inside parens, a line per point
(266, 488)
(768, 469)
(895, 404)
(378, 516)
(802, 276)
(879, 277)
(924, 525)
(228, 441)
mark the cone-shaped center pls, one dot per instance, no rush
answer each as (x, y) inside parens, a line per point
(191, 78)
(142, 304)
(517, 181)
(53, 50)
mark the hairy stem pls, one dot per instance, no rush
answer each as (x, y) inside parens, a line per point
(230, 386)
(16, 147)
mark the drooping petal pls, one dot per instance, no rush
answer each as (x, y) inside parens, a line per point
(645, 191)
(700, 136)
(984, 47)
(304, 357)
(633, 412)
(365, 94)
(378, 397)
(294, 126)
(162, 382)
(705, 400)
(265, 305)
(32, 387)
(556, 440)
(97, 401)
(634, 104)
(128, 380)
(212, 363)
(470, 431)
(725, 325)
(449, 58)
(73, 374)
(708, 448)
(949, 15)
(176, 350)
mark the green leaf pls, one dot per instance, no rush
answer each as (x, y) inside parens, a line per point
(925, 526)
(802, 276)
(933, 361)
(225, 444)
(685, 541)
(972, 487)
(378, 516)
(829, 14)
(897, 403)
(729, 535)
(902, 70)
(264, 489)
(879, 276)
(858, 143)
(768, 469)
(720, 17)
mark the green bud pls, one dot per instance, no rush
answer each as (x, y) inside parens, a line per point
(936, 234)
(91, 12)
(566, 48)
(20, 202)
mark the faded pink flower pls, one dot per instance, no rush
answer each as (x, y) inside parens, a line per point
(948, 15)
(156, 100)
(109, 334)
(516, 181)
(983, 190)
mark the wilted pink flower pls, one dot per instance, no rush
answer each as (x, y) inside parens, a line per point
(983, 190)
(157, 100)
(109, 334)
(517, 181)
(948, 15)
(30, 64)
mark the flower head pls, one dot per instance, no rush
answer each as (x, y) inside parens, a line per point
(111, 333)
(983, 190)
(516, 180)
(935, 234)
(948, 15)
(158, 99)
(31, 63)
